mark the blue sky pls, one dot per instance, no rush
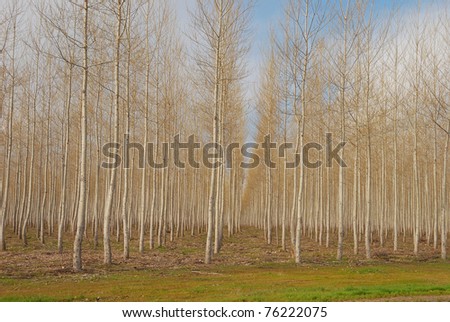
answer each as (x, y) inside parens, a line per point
(268, 13)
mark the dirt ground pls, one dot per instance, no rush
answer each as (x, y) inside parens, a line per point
(247, 248)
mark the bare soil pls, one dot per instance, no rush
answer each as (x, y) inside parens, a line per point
(247, 248)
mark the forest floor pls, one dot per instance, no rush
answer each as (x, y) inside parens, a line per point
(247, 269)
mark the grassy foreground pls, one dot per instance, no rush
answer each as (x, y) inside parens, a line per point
(272, 282)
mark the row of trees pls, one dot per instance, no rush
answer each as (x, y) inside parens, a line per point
(77, 75)
(119, 71)
(379, 84)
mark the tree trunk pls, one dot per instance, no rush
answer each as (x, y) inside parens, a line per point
(81, 215)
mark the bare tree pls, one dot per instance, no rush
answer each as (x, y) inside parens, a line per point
(81, 215)
(7, 170)
(112, 183)
(220, 27)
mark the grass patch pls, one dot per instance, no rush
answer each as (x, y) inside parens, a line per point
(189, 251)
(271, 282)
(40, 299)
